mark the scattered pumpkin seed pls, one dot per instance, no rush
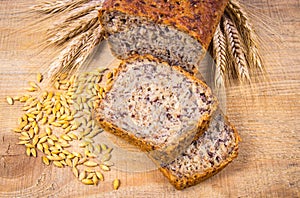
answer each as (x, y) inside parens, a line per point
(90, 175)
(100, 176)
(105, 168)
(10, 100)
(82, 175)
(90, 164)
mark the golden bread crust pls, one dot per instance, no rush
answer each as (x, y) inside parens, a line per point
(197, 18)
(184, 182)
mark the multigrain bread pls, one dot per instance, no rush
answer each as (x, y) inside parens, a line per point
(208, 155)
(159, 108)
(175, 31)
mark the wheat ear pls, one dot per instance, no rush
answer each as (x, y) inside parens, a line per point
(220, 57)
(87, 49)
(64, 33)
(82, 10)
(49, 7)
(65, 61)
(240, 18)
(235, 47)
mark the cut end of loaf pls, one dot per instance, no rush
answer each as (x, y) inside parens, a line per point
(156, 106)
(205, 157)
(130, 35)
(197, 18)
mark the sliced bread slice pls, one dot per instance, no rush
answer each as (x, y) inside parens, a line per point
(161, 109)
(208, 155)
(178, 32)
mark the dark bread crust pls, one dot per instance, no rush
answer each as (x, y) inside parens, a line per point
(197, 18)
(162, 153)
(185, 182)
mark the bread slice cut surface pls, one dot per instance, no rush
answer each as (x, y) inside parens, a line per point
(215, 149)
(157, 107)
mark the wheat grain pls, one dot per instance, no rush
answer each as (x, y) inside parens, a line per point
(87, 181)
(116, 184)
(236, 49)
(219, 54)
(47, 141)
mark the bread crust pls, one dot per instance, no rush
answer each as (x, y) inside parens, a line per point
(163, 152)
(199, 19)
(182, 183)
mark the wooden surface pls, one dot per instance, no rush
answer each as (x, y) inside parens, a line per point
(268, 164)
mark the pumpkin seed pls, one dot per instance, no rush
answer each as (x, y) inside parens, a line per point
(95, 179)
(82, 175)
(10, 100)
(99, 175)
(105, 157)
(108, 163)
(90, 175)
(105, 168)
(90, 164)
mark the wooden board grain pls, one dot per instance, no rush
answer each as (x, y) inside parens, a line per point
(268, 164)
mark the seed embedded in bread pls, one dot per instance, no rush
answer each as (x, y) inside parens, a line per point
(214, 150)
(157, 107)
(178, 32)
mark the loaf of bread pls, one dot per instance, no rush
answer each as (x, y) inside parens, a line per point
(215, 149)
(161, 109)
(175, 31)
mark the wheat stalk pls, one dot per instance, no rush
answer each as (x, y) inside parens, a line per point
(235, 47)
(240, 18)
(57, 6)
(78, 25)
(66, 32)
(220, 57)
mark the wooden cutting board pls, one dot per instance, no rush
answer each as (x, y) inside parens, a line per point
(268, 164)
